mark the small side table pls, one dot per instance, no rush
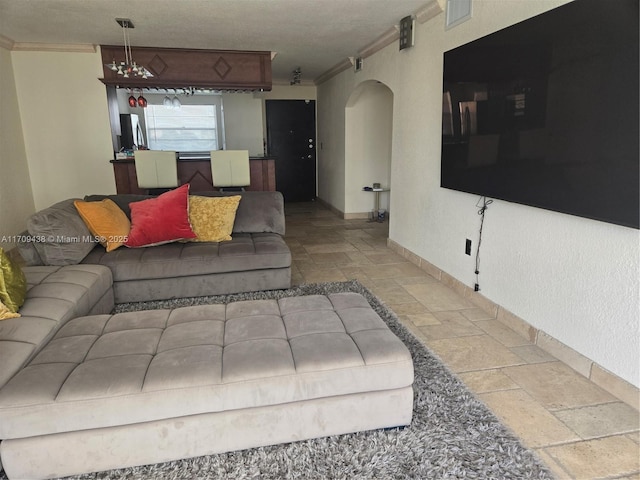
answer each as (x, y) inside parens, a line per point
(377, 192)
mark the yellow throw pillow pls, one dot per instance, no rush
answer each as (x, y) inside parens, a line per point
(13, 283)
(212, 218)
(106, 221)
(5, 313)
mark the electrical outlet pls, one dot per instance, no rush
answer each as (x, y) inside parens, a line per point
(467, 247)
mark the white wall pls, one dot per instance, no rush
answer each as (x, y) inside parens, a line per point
(575, 279)
(243, 123)
(16, 199)
(368, 124)
(65, 121)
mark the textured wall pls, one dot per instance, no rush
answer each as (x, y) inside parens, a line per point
(65, 120)
(16, 201)
(574, 278)
(369, 127)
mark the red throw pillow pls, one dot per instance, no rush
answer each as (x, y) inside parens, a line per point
(161, 220)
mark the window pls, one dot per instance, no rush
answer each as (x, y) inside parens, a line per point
(189, 128)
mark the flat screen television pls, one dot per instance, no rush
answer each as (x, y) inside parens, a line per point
(545, 112)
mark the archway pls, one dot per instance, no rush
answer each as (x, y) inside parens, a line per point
(368, 134)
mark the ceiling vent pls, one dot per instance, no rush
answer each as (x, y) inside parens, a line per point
(458, 11)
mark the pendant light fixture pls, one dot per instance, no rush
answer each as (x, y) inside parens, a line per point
(128, 67)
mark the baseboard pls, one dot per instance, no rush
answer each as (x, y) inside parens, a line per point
(347, 216)
(606, 380)
(330, 207)
(356, 216)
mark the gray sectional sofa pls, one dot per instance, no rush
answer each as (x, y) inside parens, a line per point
(83, 389)
(257, 258)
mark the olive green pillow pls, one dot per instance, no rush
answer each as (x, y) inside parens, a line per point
(13, 283)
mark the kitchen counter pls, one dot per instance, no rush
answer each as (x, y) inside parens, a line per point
(195, 169)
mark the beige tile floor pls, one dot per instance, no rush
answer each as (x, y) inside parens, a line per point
(579, 430)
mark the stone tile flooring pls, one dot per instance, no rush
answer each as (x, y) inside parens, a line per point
(579, 430)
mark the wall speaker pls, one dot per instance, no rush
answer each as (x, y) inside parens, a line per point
(406, 32)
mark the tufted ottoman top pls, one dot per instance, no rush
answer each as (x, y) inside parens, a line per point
(108, 370)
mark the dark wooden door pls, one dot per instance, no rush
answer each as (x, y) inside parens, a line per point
(291, 139)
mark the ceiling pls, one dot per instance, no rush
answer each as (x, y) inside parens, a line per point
(315, 35)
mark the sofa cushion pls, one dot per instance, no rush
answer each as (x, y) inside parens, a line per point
(60, 235)
(27, 249)
(212, 218)
(258, 211)
(13, 284)
(245, 252)
(160, 220)
(106, 221)
(109, 370)
(54, 296)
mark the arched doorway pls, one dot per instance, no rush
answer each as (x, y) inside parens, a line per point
(368, 134)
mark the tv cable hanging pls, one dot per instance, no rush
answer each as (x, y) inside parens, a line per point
(482, 208)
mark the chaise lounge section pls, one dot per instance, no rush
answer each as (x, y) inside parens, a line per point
(55, 295)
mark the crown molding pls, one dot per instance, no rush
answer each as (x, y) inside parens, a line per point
(387, 38)
(336, 69)
(54, 47)
(6, 43)
(430, 10)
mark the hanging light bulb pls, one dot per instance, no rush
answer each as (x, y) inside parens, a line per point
(166, 101)
(142, 102)
(128, 67)
(175, 103)
(132, 101)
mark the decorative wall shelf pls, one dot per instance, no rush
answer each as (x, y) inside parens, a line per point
(180, 68)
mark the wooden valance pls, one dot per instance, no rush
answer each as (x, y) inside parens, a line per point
(181, 68)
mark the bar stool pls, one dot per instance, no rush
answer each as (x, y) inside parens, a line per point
(156, 170)
(230, 169)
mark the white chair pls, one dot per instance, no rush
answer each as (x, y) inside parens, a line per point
(156, 170)
(230, 169)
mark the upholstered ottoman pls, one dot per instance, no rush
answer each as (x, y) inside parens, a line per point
(143, 387)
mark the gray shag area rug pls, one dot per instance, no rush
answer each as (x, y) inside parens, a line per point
(452, 436)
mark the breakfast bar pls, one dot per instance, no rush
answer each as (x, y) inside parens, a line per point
(196, 170)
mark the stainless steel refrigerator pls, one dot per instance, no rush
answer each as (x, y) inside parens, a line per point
(131, 134)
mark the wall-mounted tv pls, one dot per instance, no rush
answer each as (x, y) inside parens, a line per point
(545, 112)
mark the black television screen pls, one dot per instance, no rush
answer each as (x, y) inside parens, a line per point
(545, 112)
